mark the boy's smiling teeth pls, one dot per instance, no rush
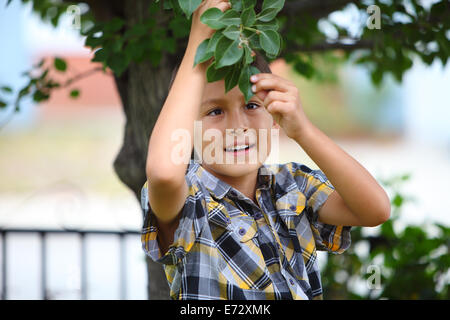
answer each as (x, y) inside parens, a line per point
(239, 147)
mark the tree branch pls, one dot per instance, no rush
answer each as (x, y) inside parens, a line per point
(80, 76)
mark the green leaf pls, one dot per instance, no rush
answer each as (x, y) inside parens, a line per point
(270, 41)
(232, 77)
(377, 76)
(24, 91)
(179, 26)
(6, 89)
(387, 229)
(244, 81)
(51, 84)
(114, 25)
(227, 52)
(398, 200)
(248, 4)
(60, 64)
(167, 5)
(232, 32)
(177, 9)
(248, 59)
(135, 52)
(267, 15)
(155, 57)
(137, 30)
(169, 45)
(153, 7)
(271, 25)
(75, 93)
(202, 55)
(39, 64)
(189, 6)
(211, 18)
(41, 77)
(118, 63)
(270, 9)
(253, 39)
(213, 74)
(236, 5)
(93, 42)
(230, 17)
(213, 41)
(248, 17)
(405, 177)
(275, 4)
(100, 55)
(40, 96)
(304, 68)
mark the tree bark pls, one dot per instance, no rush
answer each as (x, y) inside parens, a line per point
(143, 89)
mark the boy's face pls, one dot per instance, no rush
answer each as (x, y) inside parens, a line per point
(252, 124)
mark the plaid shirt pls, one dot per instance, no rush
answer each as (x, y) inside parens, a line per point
(228, 247)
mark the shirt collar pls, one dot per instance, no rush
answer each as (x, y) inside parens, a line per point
(219, 188)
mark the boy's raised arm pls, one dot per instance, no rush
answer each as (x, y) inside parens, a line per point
(179, 111)
(166, 179)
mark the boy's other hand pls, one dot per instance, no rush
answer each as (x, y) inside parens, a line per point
(281, 99)
(200, 31)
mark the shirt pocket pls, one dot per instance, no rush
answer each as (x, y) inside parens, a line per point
(241, 261)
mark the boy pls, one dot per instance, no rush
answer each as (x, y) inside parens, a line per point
(247, 230)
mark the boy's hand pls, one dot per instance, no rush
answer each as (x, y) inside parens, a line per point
(282, 101)
(199, 30)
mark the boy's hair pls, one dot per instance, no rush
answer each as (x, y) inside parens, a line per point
(259, 62)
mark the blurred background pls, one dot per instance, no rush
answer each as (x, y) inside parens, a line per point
(56, 171)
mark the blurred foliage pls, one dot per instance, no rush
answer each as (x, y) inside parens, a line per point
(412, 261)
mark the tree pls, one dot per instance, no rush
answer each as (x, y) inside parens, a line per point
(141, 41)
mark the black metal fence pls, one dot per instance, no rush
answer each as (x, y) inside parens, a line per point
(83, 254)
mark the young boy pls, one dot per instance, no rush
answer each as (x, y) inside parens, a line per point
(247, 230)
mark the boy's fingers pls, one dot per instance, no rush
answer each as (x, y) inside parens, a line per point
(265, 75)
(275, 96)
(224, 5)
(262, 94)
(272, 83)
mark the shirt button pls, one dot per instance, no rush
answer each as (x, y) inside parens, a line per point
(241, 231)
(291, 282)
(293, 208)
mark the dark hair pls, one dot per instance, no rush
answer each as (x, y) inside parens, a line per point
(259, 62)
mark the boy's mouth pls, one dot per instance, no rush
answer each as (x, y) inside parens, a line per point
(239, 148)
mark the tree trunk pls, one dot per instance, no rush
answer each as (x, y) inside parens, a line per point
(143, 89)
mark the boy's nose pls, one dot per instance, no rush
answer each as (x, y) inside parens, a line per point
(239, 131)
(238, 121)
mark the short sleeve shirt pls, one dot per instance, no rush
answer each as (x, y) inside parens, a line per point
(227, 246)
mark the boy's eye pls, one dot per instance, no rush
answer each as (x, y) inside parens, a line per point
(254, 104)
(210, 113)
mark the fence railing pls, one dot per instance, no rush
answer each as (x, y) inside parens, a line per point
(83, 256)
